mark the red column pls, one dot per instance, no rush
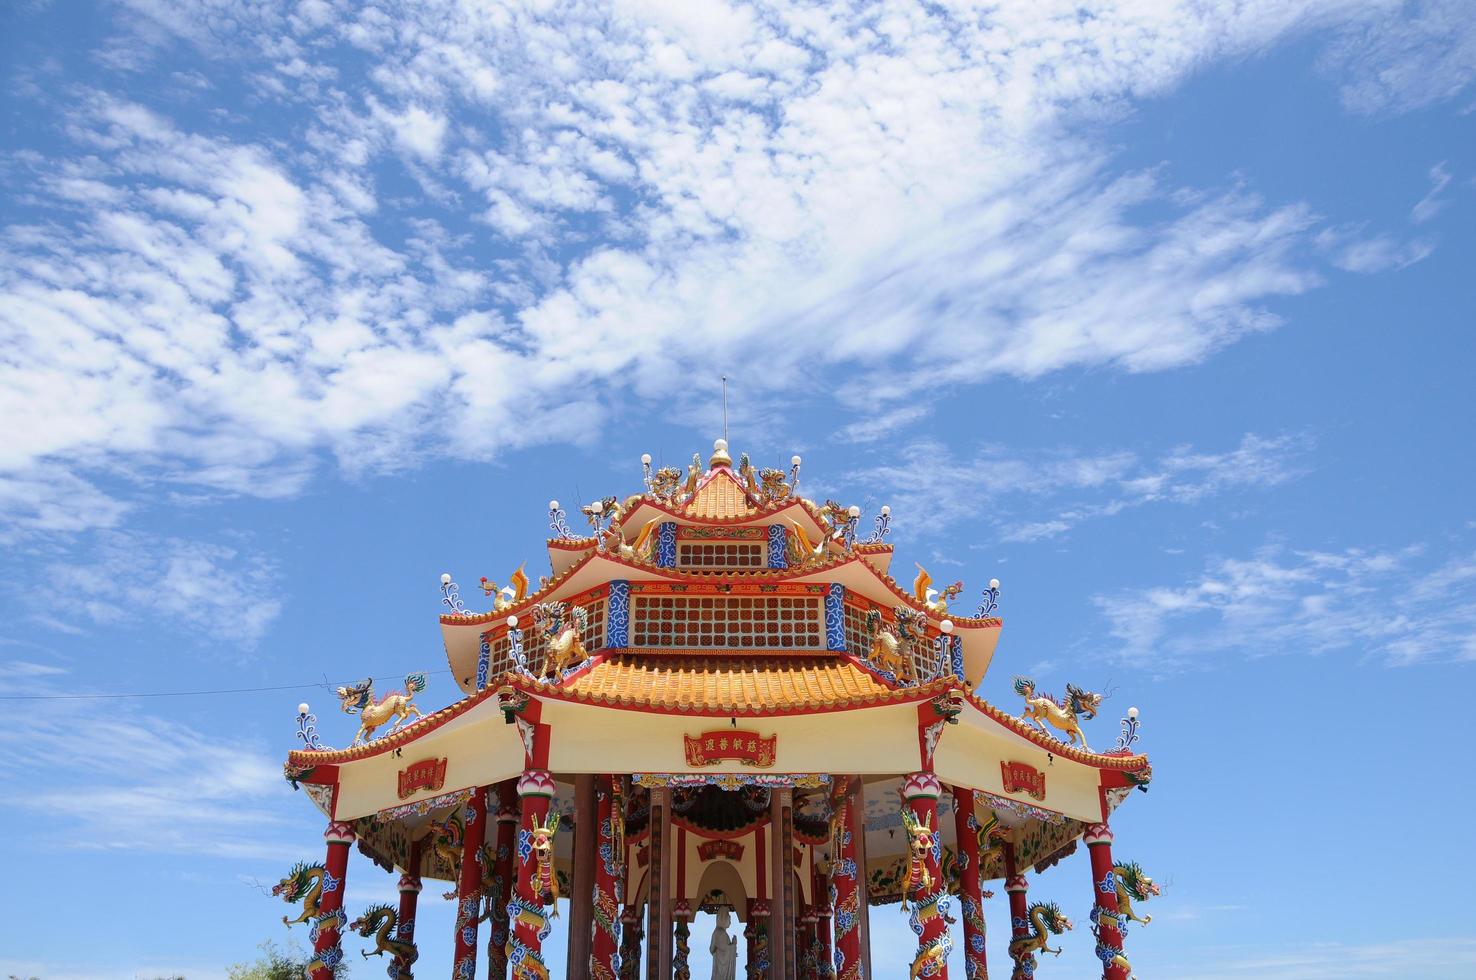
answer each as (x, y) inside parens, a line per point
(1107, 922)
(1017, 890)
(526, 909)
(609, 861)
(327, 953)
(925, 886)
(970, 896)
(469, 884)
(409, 892)
(502, 879)
(846, 889)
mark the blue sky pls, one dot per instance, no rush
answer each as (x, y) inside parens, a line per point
(1161, 314)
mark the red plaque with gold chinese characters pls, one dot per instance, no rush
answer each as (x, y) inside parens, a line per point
(1021, 778)
(710, 850)
(745, 748)
(426, 774)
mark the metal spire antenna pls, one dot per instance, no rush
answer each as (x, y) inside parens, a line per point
(725, 408)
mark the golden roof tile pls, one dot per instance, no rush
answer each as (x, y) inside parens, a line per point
(722, 497)
(749, 684)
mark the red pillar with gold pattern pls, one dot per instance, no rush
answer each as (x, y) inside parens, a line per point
(846, 888)
(469, 884)
(609, 862)
(529, 921)
(1018, 892)
(502, 878)
(924, 886)
(1107, 921)
(970, 895)
(409, 892)
(327, 953)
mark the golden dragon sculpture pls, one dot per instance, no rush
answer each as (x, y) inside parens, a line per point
(381, 921)
(1045, 919)
(304, 883)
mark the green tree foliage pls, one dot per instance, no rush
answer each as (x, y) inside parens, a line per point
(278, 964)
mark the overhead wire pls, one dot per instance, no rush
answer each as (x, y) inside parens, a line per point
(319, 685)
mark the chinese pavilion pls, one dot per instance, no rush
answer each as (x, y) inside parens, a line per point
(719, 699)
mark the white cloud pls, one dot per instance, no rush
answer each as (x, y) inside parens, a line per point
(610, 202)
(1392, 606)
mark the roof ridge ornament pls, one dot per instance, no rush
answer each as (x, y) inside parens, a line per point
(719, 455)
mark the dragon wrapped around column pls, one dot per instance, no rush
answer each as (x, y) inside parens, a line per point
(681, 950)
(382, 922)
(1043, 920)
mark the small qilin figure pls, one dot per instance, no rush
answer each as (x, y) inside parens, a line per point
(562, 634)
(1064, 715)
(358, 699)
(665, 482)
(381, 922)
(892, 647)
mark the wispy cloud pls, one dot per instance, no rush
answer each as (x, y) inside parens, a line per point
(109, 776)
(1435, 958)
(933, 488)
(1432, 203)
(1399, 607)
(1406, 56)
(120, 577)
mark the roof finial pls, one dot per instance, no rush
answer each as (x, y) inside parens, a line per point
(725, 408)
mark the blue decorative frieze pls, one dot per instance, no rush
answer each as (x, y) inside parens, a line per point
(617, 616)
(778, 542)
(958, 661)
(666, 549)
(835, 616)
(484, 661)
